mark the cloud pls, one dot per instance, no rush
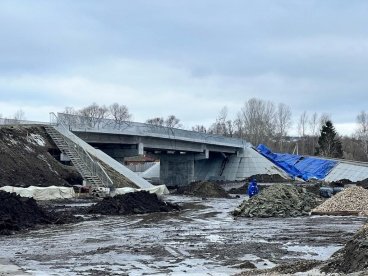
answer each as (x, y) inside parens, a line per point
(184, 58)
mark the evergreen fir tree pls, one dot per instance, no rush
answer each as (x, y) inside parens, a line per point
(329, 144)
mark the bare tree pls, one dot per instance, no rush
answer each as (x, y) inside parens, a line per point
(257, 119)
(199, 128)
(362, 130)
(157, 121)
(221, 126)
(302, 124)
(283, 121)
(172, 122)
(19, 115)
(94, 114)
(119, 113)
(313, 124)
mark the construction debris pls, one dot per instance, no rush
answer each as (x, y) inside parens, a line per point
(203, 189)
(353, 200)
(279, 200)
(353, 257)
(132, 203)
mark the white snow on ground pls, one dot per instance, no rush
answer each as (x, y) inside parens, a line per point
(43, 158)
(36, 139)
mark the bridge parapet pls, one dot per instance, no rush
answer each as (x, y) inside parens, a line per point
(110, 126)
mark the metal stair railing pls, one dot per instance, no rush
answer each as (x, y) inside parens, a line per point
(94, 167)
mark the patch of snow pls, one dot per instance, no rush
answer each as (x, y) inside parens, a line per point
(312, 252)
(27, 148)
(36, 139)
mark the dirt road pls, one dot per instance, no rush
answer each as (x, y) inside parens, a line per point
(204, 238)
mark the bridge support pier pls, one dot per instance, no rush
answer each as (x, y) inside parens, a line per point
(176, 169)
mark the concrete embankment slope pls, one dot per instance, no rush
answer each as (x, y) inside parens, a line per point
(98, 154)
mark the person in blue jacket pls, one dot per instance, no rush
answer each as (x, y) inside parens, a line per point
(252, 188)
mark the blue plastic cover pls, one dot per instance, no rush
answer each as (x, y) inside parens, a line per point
(299, 166)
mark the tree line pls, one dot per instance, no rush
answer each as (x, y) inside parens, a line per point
(258, 121)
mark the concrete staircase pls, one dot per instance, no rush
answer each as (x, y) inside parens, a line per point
(79, 157)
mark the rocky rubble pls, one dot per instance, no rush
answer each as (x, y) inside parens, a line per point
(353, 257)
(278, 200)
(132, 203)
(203, 189)
(352, 199)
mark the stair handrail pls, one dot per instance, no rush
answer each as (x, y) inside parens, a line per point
(94, 167)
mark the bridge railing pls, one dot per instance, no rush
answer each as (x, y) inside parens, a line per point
(93, 166)
(92, 124)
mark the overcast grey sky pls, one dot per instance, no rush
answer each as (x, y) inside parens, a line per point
(188, 58)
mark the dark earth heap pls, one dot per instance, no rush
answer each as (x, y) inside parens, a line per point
(24, 162)
(20, 213)
(132, 203)
(203, 189)
(353, 257)
(278, 200)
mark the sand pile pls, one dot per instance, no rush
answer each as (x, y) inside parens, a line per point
(278, 200)
(132, 203)
(203, 189)
(353, 199)
(18, 213)
(353, 257)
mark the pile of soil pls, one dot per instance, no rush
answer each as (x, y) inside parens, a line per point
(132, 203)
(353, 257)
(363, 183)
(26, 159)
(203, 189)
(278, 200)
(239, 191)
(19, 213)
(268, 178)
(352, 199)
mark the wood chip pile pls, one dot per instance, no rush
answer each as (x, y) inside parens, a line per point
(352, 199)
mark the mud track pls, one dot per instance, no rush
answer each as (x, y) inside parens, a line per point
(202, 238)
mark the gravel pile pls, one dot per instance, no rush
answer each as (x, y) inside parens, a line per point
(132, 203)
(353, 257)
(279, 200)
(203, 189)
(352, 199)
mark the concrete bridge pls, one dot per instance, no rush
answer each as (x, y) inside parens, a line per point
(185, 156)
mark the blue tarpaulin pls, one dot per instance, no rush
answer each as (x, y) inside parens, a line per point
(299, 166)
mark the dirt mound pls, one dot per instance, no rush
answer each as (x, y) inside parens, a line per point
(18, 213)
(278, 200)
(268, 178)
(353, 257)
(26, 159)
(239, 191)
(363, 183)
(132, 203)
(352, 199)
(203, 189)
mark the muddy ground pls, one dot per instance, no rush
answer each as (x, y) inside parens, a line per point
(203, 238)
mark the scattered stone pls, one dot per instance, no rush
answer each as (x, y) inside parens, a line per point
(352, 199)
(132, 203)
(278, 200)
(203, 189)
(353, 257)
